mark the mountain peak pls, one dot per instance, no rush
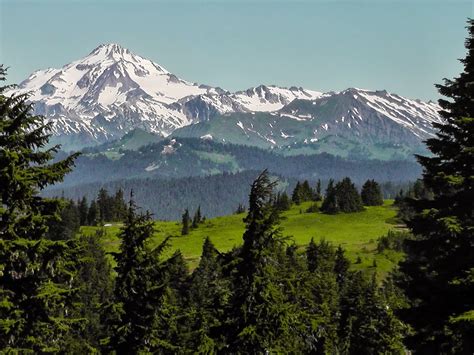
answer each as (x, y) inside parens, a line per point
(110, 47)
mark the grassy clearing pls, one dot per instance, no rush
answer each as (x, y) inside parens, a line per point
(356, 232)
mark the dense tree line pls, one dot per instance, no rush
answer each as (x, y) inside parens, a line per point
(73, 214)
(193, 157)
(217, 195)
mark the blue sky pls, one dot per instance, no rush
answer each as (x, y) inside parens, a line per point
(401, 46)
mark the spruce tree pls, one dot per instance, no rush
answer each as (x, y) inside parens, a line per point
(371, 194)
(119, 207)
(35, 272)
(261, 317)
(296, 197)
(318, 193)
(437, 274)
(105, 206)
(185, 221)
(209, 294)
(139, 288)
(329, 204)
(83, 210)
(347, 197)
(93, 214)
(197, 218)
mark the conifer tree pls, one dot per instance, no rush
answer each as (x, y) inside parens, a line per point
(139, 287)
(35, 272)
(318, 193)
(371, 194)
(83, 210)
(209, 295)
(119, 207)
(261, 318)
(330, 199)
(341, 265)
(197, 218)
(437, 274)
(93, 214)
(296, 197)
(347, 197)
(104, 205)
(368, 324)
(95, 288)
(306, 191)
(185, 221)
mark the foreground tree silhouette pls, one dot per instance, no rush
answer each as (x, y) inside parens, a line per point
(438, 274)
(261, 316)
(35, 272)
(139, 287)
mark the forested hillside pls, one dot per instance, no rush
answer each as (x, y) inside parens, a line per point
(185, 157)
(218, 195)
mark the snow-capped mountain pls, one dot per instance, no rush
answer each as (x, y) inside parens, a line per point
(111, 91)
(353, 122)
(259, 99)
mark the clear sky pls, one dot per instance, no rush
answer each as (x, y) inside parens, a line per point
(402, 46)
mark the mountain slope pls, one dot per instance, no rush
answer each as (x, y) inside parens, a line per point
(112, 91)
(109, 92)
(183, 157)
(352, 123)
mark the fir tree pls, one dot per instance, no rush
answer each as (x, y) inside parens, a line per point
(119, 207)
(104, 206)
(139, 288)
(36, 272)
(261, 320)
(371, 194)
(93, 214)
(197, 218)
(437, 274)
(83, 211)
(185, 221)
(341, 265)
(347, 197)
(296, 197)
(282, 202)
(209, 295)
(330, 200)
(95, 288)
(318, 193)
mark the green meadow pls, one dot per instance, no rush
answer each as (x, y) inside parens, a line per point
(357, 233)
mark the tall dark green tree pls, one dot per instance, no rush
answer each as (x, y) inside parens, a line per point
(347, 196)
(318, 192)
(438, 273)
(209, 296)
(83, 210)
(329, 204)
(35, 271)
(139, 288)
(296, 196)
(197, 218)
(119, 207)
(105, 205)
(261, 317)
(185, 221)
(93, 214)
(371, 194)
